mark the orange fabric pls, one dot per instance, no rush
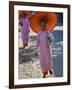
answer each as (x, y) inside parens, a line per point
(50, 17)
(25, 12)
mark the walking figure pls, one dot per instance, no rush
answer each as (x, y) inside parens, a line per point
(44, 39)
(25, 29)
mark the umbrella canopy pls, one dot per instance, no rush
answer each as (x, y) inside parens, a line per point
(22, 12)
(40, 16)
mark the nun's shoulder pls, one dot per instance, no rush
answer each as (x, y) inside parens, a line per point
(39, 33)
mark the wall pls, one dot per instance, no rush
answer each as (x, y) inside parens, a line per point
(4, 45)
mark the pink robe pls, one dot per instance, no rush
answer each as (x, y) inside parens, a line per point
(45, 51)
(25, 30)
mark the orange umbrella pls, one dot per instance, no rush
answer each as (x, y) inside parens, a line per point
(50, 17)
(21, 12)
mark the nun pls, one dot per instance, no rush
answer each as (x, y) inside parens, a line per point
(25, 29)
(44, 39)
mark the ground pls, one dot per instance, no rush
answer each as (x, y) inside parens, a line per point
(29, 66)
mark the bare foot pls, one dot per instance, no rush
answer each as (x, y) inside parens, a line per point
(23, 46)
(43, 76)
